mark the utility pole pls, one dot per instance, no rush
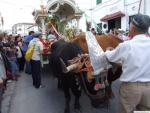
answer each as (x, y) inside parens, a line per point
(139, 6)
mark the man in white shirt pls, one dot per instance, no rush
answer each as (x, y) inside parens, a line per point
(134, 56)
(36, 59)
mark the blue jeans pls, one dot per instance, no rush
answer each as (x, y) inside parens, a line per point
(14, 67)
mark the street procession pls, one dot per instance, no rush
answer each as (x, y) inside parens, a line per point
(74, 56)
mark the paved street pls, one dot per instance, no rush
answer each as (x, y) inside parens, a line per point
(27, 99)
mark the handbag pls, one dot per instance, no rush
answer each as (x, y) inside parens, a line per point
(29, 53)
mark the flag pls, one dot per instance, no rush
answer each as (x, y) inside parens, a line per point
(96, 54)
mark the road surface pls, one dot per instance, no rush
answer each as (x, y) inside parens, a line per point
(27, 99)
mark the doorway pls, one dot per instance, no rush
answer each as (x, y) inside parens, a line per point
(114, 23)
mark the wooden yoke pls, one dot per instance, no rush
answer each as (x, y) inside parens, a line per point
(105, 41)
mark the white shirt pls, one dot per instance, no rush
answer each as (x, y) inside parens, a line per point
(51, 36)
(123, 37)
(135, 57)
(38, 49)
(19, 54)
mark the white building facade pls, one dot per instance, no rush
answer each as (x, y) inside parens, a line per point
(24, 28)
(109, 14)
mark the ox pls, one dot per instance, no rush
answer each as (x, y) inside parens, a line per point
(65, 51)
(105, 41)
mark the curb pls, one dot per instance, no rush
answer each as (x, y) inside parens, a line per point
(7, 96)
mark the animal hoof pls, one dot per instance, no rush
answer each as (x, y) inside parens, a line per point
(66, 111)
(78, 111)
(94, 105)
(77, 106)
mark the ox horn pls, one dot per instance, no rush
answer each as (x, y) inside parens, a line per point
(69, 68)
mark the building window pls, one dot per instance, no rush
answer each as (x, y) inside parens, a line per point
(98, 1)
(114, 23)
(99, 28)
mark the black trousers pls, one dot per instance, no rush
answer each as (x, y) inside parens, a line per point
(36, 73)
(21, 62)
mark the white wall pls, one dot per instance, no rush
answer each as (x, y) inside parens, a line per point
(129, 7)
(124, 23)
(132, 8)
(24, 29)
(147, 7)
(82, 23)
(131, 1)
(107, 7)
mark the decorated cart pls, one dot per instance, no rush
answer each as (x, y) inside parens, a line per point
(66, 13)
(60, 17)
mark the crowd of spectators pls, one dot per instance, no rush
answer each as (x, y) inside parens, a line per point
(12, 61)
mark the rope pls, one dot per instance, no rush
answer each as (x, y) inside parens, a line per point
(55, 30)
(88, 93)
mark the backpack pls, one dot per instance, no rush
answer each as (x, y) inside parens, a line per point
(29, 53)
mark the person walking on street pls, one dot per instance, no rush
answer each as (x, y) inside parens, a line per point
(36, 60)
(24, 49)
(134, 55)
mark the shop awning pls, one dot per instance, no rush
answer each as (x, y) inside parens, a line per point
(112, 16)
